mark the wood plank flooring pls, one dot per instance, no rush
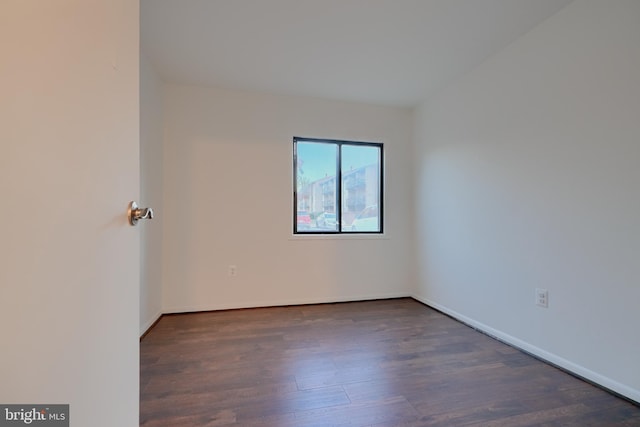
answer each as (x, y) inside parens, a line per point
(376, 363)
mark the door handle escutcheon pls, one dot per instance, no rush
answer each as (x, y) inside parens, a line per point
(135, 213)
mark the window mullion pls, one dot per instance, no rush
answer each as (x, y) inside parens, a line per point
(339, 187)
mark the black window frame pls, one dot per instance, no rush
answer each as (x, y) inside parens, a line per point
(339, 204)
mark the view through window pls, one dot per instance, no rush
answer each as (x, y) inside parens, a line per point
(337, 186)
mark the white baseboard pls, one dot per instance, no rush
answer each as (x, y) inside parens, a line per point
(554, 359)
(279, 302)
(144, 328)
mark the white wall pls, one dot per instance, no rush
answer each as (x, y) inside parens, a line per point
(228, 200)
(151, 137)
(527, 176)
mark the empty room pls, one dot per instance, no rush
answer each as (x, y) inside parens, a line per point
(282, 213)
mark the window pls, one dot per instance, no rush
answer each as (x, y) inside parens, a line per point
(337, 186)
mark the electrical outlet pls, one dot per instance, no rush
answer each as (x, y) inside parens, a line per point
(542, 298)
(232, 271)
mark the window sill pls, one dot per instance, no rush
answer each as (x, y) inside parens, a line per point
(342, 236)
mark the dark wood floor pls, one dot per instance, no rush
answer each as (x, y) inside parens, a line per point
(376, 363)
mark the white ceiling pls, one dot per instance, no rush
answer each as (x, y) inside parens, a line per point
(394, 52)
